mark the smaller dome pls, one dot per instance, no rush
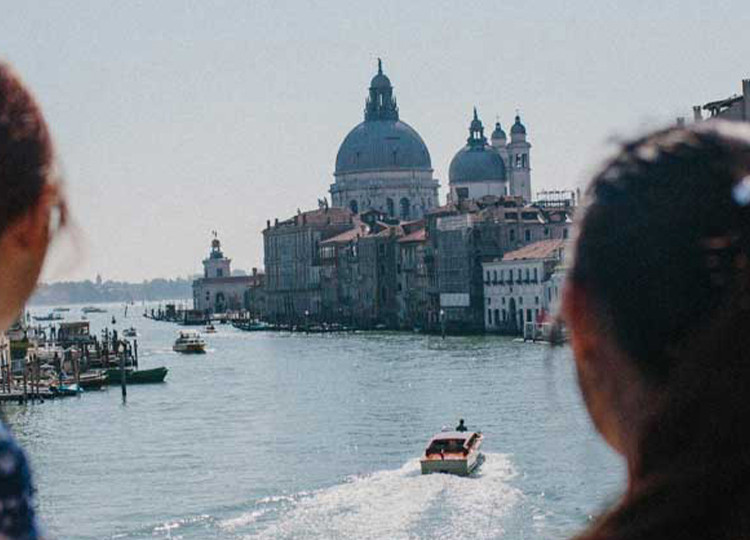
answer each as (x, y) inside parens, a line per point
(518, 128)
(380, 80)
(476, 164)
(498, 133)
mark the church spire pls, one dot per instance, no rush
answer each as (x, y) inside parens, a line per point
(380, 103)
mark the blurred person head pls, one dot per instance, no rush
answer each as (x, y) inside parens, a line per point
(658, 307)
(31, 205)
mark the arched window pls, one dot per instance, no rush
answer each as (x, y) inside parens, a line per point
(354, 207)
(390, 207)
(405, 208)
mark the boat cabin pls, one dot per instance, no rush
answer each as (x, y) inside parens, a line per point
(74, 332)
(452, 442)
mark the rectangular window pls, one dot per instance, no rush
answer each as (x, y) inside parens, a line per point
(489, 316)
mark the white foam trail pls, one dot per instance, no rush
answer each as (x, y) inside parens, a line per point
(394, 504)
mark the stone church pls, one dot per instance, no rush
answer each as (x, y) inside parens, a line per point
(383, 164)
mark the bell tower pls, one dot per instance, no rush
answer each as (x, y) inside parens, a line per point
(519, 153)
(216, 265)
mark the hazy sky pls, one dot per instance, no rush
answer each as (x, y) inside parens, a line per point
(176, 118)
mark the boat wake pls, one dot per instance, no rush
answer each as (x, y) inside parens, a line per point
(398, 503)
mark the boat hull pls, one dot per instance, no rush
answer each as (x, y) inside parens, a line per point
(143, 376)
(190, 349)
(457, 466)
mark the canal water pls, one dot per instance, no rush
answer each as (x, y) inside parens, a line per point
(278, 435)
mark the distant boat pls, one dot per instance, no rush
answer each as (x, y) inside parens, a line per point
(453, 452)
(93, 309)
(252, 326)
(61, 309)
(130, 332)
(210, 329)
(48, 317)
(189, 342)
(66, 389)
(133, 376)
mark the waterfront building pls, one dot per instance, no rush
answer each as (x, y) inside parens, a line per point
(413, 278)
(359, 274)
(735, 107)
(480, 169)
(383, 164)
(461, 236)
(292, 262)
(219, 291)
(523, 287)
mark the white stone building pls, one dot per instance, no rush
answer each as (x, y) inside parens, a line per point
(218, 290)
(383, 164)
(525, 286)
(480, 169)
(736, 107)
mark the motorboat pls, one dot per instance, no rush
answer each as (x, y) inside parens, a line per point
(452, 452)
(210, 329)
(49, 317)
(93, 309)
(130, 332)
(189, 341)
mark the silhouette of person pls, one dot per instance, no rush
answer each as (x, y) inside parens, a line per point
(461, 427)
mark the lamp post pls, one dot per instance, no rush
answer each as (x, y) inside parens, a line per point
(442, 322)
(123, 380)
(307, 321)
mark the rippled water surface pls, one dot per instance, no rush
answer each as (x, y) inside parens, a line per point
(294, 436)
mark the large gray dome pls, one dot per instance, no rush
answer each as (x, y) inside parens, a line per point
(382, 145)
(477, 164)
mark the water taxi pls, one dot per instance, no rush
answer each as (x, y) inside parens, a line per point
(452, 452)
(189, 341)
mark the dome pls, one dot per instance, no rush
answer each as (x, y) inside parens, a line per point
(477, 161)
(380, 81)
(518, 128)
(476, 164)
(498, 133)
(382, 145)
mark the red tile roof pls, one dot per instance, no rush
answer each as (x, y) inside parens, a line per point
(420, 235)
(546, 249)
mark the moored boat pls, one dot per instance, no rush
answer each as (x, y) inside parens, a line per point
(133, 376)
(252, 326)
(49, 317)
(130, 332)
(189, 342)
(453, 452)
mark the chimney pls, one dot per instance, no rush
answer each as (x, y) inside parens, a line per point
(255, 272)
(680, 121)
(746, 98)
(697, 114)
(268, 224)
(276, 222)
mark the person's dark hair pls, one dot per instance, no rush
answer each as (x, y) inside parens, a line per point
(26, 153)
(663, 249)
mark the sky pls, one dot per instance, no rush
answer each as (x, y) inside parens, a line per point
(176, 118)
